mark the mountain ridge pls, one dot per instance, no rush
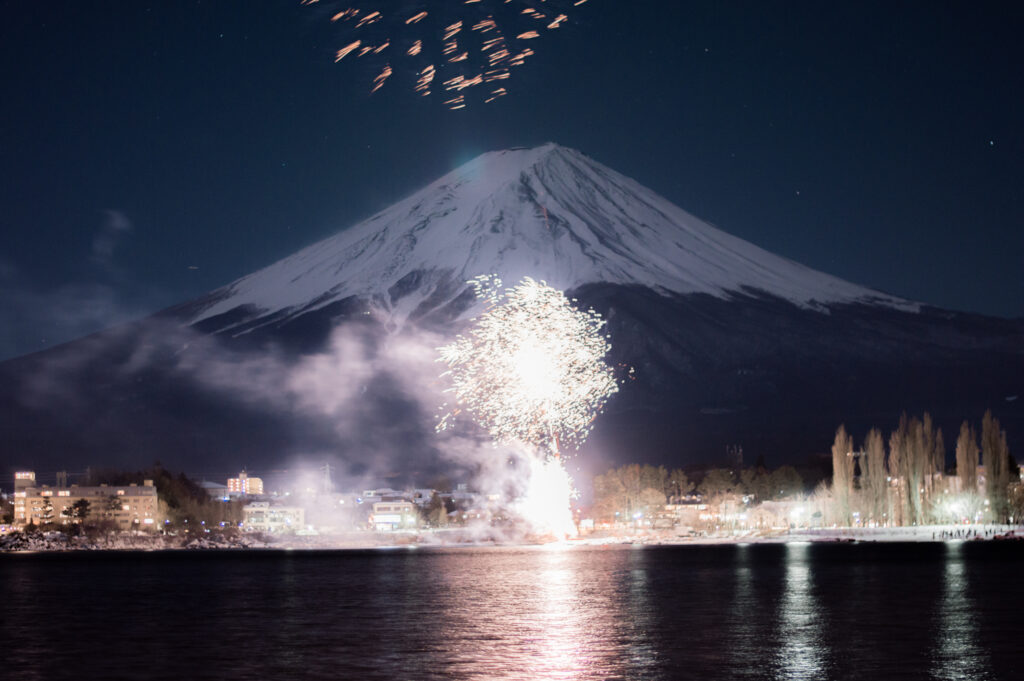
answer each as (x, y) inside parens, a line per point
(548, 212)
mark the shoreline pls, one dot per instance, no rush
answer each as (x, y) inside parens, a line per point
(919, 534)
(55, 542)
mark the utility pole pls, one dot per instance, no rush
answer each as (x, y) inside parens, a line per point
(328, 486)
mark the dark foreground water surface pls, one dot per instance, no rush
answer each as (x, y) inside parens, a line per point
(820, 611)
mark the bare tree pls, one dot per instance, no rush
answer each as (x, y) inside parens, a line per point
(632, 489)
(823, 503)
(716, 482)
(677, 485)
(931, 460)
(842, 474)
(897, 472)
(996, 458)
(967, 459)
(873, 477)
(610, 498)
(785, 481)
(919, 454)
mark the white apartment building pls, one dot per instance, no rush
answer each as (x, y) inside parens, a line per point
(129, 506)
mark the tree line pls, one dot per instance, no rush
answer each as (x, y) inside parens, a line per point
(906, 482)
(622, 493)
(182, 500)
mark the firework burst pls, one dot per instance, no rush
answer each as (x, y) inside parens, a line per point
(454, 48)
(531, 369)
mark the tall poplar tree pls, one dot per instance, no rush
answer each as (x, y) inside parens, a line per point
(873, 477)
(897, 471)
(996, 458)
(933, 464)
(842, 473)
(917, 456)
(967, 459)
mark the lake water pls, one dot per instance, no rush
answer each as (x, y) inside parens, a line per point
(797, 611)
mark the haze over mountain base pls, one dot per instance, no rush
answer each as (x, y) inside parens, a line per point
(330, 353)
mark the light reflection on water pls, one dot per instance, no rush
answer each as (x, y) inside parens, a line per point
(958, 653)
(542, 617)
(561, 621)
(743, 620)
(568, 613)
(800, 655)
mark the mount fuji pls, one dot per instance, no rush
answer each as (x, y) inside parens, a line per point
(550, 213)
(731, 345)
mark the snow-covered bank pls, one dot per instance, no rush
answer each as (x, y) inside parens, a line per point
(923, 533)
(56, 541)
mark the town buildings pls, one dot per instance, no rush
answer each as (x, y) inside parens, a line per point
(127, 507)
(394, 515)
(245, 485)
(260, 516)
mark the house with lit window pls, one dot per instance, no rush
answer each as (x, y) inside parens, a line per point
(129, 507)
(261, 516)
(394, 515)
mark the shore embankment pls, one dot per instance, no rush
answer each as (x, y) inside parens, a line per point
(463, 537)
(922, 533)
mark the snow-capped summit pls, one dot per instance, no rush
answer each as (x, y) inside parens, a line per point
(550, 213)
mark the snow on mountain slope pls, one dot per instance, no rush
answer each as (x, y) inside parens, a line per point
(550, 213)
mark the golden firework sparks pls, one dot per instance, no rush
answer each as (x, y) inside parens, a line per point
(383, 76)
(345, 50)
(531, 369)
(470, 36)
(426, 77)
(369, 19)
(345, 14)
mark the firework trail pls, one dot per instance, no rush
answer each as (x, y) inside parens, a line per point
(531, 369)
(453, 48)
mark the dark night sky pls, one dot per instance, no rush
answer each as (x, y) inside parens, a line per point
(880, 142)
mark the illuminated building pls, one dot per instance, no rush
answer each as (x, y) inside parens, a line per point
(394, 515)
(260, 516)
(127, 506)
(245, 485)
